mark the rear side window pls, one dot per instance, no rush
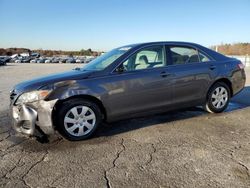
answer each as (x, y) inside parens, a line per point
(183, 55)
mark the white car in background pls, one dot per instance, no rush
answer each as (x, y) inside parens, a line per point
(80, 60)
(47, 61)
(89, 59)
(41, 60)
(18, 61)
(33, 61)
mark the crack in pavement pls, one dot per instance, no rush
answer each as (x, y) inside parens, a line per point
(151, 155)
(141, 167)
(11, 170)
(24, 182)
(231, 157)
(5, 132)
(32, 166)
(6, 151)
(17, 165)
(55, 142)
(108, 184)
(247, 170)
(5, 138)
(13, 145)
(106, 179)
(54, 181)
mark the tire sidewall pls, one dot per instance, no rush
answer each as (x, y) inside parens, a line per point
(209, 106)
(66, 106)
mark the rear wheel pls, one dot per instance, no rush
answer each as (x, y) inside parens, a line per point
(217, 98)
(78, 119)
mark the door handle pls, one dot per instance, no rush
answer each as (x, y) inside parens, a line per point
(164, 74)
(212, 67)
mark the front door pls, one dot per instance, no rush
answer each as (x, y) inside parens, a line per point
(140, 83)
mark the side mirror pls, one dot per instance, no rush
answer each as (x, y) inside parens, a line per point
(120, 69)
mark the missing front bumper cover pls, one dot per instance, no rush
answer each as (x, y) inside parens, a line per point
(27, 117)
(24, 118)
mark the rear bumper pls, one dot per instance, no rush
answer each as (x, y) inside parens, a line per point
(27, 117)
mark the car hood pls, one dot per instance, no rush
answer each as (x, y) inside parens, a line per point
(37, 83)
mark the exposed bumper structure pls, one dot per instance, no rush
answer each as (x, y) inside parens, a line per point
(27, 117)
(238, 81)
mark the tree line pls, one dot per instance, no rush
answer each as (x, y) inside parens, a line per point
(227, 49)
(49, 53)
(233, 49)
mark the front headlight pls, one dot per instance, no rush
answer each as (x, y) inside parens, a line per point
(32, 96)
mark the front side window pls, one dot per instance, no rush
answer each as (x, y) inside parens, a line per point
(183, 55)
(146, 58)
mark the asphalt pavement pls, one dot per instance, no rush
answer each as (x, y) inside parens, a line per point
(186, 148)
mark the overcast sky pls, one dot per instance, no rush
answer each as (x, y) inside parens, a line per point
(105, 24)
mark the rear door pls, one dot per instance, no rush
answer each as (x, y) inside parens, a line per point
(192, 74)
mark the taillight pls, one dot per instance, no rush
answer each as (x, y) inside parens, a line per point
(241, 65)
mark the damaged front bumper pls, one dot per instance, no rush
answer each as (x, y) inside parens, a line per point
(30, 117)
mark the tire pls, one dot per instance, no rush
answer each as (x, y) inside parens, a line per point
(78, 119)
(217, 98)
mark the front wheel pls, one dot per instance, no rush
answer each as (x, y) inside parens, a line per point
(78, 119)
(217, 98)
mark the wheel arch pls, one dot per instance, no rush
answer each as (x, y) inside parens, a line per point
(225, 81)
(86, 97)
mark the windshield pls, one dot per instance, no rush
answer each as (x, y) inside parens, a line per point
(106, 59)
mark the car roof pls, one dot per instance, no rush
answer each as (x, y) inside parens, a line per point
(162, 42)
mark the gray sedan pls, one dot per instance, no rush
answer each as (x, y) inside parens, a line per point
(126, 82)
